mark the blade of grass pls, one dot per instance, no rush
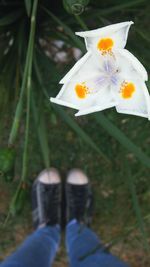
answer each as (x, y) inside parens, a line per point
(122, 138)
(22, 181)
(67, 29)
(143, 34)
(26, 77)
(81, 22)
(81, 133)
(12, 17)
(122, 6)
(42, 133)
(136, 206)
(126, 233)
(28, 5)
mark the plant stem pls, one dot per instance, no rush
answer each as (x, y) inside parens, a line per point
(33, 24)
(67, 29)
(81, 23)
(26, 77)
(26, 84)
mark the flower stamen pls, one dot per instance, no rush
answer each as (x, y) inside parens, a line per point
(127, 89)
(81, 90)
(105, 45)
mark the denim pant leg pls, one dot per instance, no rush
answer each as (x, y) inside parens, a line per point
(38, 250)
(85, 249)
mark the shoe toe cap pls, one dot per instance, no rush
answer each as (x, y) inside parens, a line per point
(78, 177)
(49, 176)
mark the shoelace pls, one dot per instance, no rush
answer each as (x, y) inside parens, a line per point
(50, 196)
(45, 204)
(81, 203)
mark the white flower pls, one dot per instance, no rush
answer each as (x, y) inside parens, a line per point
(108, 77)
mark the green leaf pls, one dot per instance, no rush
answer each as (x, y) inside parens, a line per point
(12, 17)
(112, 9)
(19, 201)
(143, 34)
(67, 30)
(26, 77)
(75, 7)
(122, 138)
(28, 5)
(81, 133)
(7, 159)
(136, 206)
(42, 132)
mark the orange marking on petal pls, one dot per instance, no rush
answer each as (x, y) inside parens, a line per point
(127, 90)
(81, 90)
(105, 44)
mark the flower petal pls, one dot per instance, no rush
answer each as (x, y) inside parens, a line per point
(87, 66)
(130, 90)
(107, 38)
(103, 101)
(61, 102)
(84, 95)
(85, 82)
(128, 63)
(133, 97)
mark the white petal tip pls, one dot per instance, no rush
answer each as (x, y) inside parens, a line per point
(95, 32)
(61, 102)
(83, 112)
(62, 81)
(146, 77)
(52, 99)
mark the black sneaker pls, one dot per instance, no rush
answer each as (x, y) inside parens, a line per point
(79, 200)
(46, 198)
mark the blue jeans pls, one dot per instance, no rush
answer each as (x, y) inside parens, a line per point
(83, 247)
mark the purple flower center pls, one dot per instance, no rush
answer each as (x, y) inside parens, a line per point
(109, 74)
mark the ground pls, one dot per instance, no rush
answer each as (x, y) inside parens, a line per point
(115, 218)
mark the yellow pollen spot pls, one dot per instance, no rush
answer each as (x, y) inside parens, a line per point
(105, 44)
(81, 90)
(127, 90)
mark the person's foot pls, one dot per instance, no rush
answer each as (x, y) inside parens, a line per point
(78, 197)
(46, 198)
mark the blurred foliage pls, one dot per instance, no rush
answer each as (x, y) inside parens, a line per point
(7, 158)
(37, 47)
(75, 7)
(7, 161)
